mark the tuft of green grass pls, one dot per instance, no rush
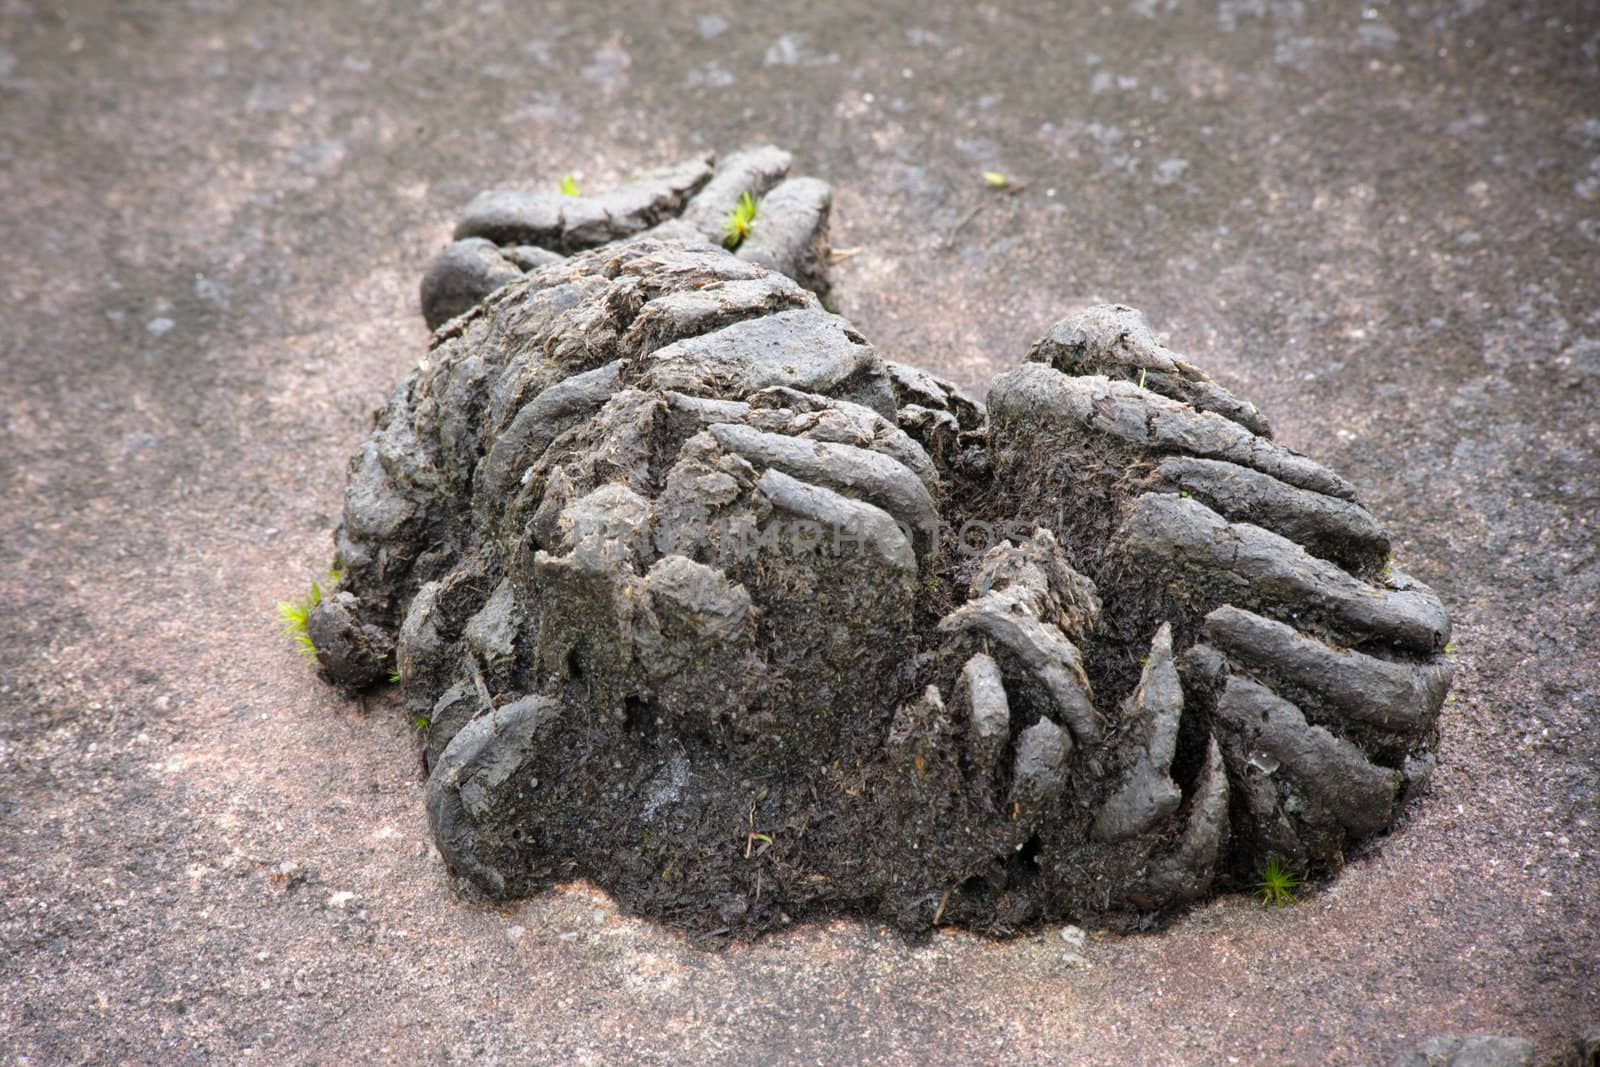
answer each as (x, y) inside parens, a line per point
(736, 224)
(569, 186)
(1277, 884)
(421, 723)
(294, 614)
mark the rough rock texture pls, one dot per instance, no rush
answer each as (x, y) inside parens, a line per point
(704, 600)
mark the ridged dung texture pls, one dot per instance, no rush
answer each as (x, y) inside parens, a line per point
(706, 601)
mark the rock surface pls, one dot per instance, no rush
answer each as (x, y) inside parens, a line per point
(702, 599)
(307, 159)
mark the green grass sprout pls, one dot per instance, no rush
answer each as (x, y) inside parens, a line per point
(294, 614)
(1277, 885)
(736, 224)
(995, 179)
(569, 186)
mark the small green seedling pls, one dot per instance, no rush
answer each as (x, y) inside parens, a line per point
(394, 677)
(1277, 885)
(421, 723)
(569, 186)
(995, 180)
(736, 224)
(294, 614)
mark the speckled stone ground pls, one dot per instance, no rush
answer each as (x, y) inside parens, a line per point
(1381, 223)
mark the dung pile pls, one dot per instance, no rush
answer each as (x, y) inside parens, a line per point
(706, 601)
